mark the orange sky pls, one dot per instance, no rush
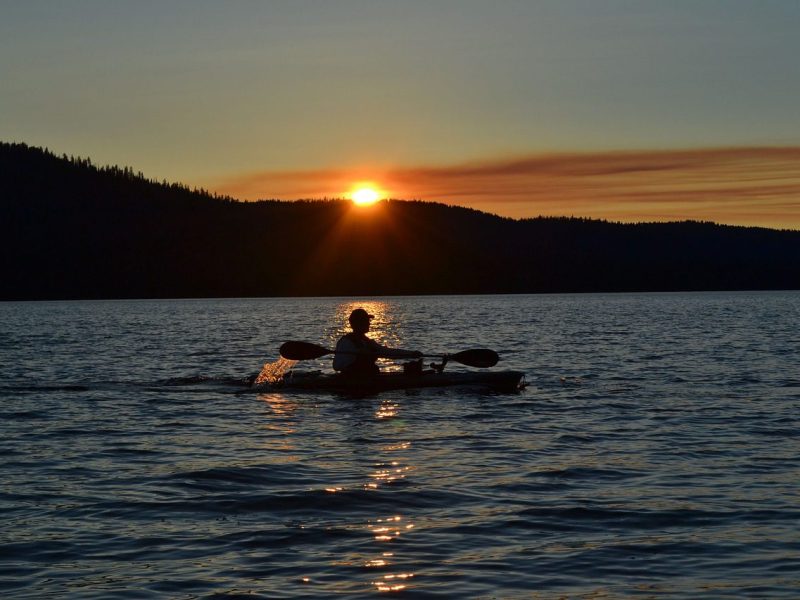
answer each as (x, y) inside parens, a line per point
(741, 186)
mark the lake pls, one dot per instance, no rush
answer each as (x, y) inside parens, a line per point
(654, 454)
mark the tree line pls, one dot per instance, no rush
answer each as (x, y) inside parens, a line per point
(70, 229)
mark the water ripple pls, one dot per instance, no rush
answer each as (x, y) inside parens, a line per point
(653, 454)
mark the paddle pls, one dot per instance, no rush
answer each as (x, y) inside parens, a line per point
(477, 357)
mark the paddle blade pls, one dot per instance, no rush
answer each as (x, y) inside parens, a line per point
(479, 357)
(302, 351)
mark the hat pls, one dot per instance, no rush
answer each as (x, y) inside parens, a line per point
(360, 314)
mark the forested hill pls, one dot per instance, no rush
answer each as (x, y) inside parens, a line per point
(72, 230)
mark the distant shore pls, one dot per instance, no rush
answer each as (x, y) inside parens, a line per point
(71, 230)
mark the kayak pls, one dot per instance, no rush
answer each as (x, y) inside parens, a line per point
(503, 381)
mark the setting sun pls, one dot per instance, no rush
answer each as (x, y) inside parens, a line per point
(364, 196)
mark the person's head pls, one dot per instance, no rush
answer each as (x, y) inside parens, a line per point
(359, 320)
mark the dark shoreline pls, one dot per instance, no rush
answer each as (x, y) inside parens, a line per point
(71, 230)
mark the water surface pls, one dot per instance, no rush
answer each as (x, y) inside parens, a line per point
(654, 453)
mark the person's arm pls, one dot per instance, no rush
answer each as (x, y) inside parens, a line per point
(384, 352)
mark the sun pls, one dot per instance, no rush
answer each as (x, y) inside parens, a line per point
(364, 196)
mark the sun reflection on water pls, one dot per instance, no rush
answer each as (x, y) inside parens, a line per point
(280, 405)
(399, 446)
(389, 473)
(387, 530)
(383, 570)
(282, 427)
(386, 327)
(386, 410)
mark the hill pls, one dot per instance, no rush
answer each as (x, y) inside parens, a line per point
(72, 230)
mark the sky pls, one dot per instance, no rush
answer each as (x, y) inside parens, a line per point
(624, 110)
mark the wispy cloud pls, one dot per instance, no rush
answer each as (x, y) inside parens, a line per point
(753, 186)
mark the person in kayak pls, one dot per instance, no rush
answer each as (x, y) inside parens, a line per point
(356, 353)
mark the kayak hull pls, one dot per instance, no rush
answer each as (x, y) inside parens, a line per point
(505, 381)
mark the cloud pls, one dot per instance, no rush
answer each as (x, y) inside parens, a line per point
(750, 185)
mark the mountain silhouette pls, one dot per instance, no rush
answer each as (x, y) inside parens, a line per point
(70, 229)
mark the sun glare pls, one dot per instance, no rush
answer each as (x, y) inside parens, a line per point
(364, 196)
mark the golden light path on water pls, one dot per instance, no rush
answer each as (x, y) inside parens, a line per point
(383, 530)
(388, 468)
(384, 327)
(285, 427)
(389, 529)
(273, 371)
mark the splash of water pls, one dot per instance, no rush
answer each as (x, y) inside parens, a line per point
(273, 372)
